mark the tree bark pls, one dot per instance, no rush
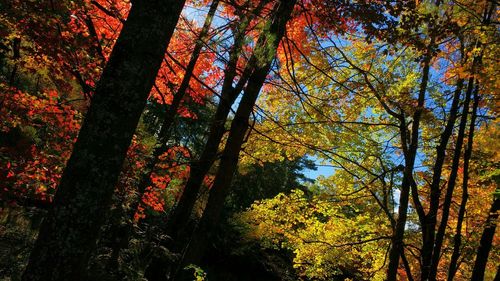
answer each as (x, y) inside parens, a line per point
(406, 264)
(199, 169)
(157, 269)
(457, 240)
(70, 230)
(410, 153)
(430, 220)
(486, 241)
(489, 230)
(439, 238)
(164, 134)
(267, 46)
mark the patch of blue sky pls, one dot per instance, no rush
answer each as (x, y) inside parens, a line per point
(322, 169)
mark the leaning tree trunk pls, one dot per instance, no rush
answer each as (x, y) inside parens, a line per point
(157, 269)
(429, 221)
(486, 241)
(70, 230)
(229, 94)
(267, 46)
(489, 230)
(164, 134)
(122, 237)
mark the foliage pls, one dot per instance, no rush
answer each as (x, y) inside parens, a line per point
(328, 240)
(345, 90)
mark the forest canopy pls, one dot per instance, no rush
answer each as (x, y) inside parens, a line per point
(249, 140)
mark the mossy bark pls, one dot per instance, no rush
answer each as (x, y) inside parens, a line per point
(267, 46)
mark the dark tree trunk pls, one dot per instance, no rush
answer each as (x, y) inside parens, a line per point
(70, 230)
(429, 221)
(431, 241)
(439, 238)
(199, 169)
(267, 46)
(407, 267)
(486, 241)
(410, 152)
(164, 135)
(158, 270)
(457, 240)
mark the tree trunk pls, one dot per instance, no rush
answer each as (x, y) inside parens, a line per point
(429, 259)
(406, 264)
(438, 243)
(200, 168)
(429, 221)
(410, 155)
(267, 45)
(70, 230)
(465, 193)
(164, 134)
(486, 241)
(157, 269)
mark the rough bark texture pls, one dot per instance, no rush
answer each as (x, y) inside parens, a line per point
(70, 230)
(122, 237)
(163, 137)
(164, 134)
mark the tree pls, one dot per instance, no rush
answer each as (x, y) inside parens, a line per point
(69, 232)
(332, 237)
(486, 240)
(181, 225)
(259, 181)
(228, 96)
(265, 52)
(396, 100)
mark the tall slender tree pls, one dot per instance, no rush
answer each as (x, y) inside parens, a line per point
(164, 133)
(182, 226)
(230, 90)
(409, 141)
(267, 46)
(228, 96)
(457, 239)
